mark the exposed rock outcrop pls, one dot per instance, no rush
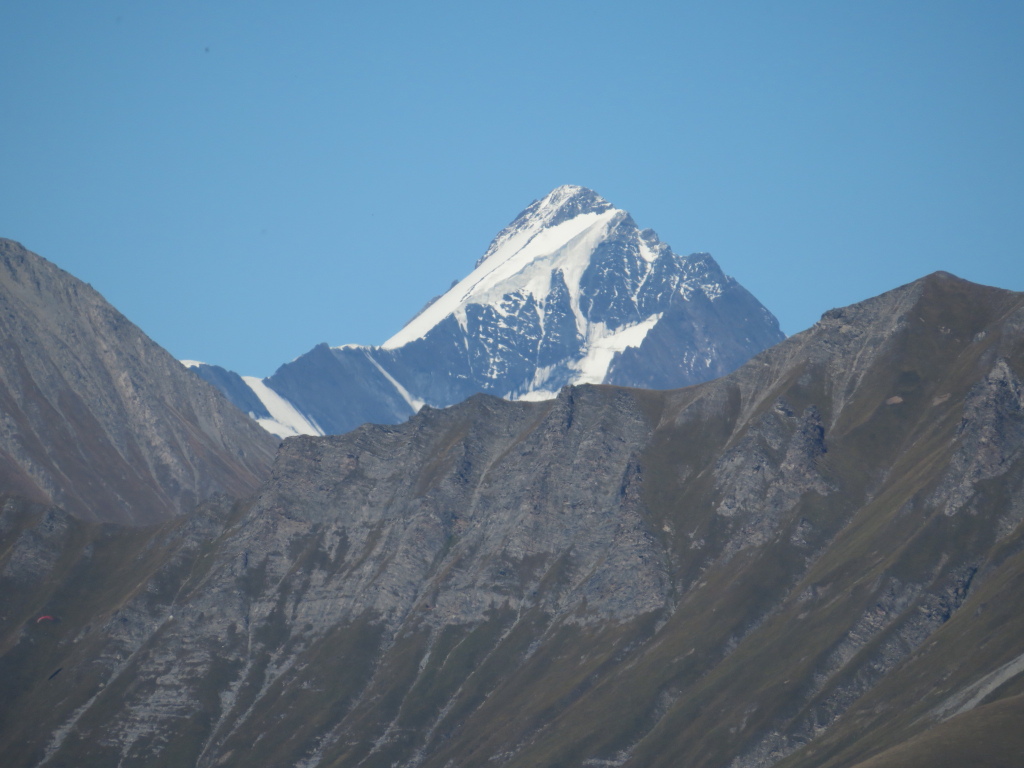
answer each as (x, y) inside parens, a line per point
(97, 418)
(814, 561)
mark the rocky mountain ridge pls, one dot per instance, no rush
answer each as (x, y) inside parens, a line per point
(98, 419)
(571, 292)
(816, 560)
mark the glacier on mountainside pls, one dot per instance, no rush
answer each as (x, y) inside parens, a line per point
(570, 292)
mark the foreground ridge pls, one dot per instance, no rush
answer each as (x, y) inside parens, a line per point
(813, 561)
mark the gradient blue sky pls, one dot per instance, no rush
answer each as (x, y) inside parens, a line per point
(247, 179)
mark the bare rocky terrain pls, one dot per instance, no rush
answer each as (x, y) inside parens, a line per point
(97, 418)
(817, 560)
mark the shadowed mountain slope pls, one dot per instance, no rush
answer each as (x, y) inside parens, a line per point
(817, 560)
(97, 418)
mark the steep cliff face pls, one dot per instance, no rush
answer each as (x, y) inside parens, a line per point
(815, 561)
(97, 418)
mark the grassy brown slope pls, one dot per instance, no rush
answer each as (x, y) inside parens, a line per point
(781, 617)
(819, 600)
(83, 575)
(990, 736)
(931, 685)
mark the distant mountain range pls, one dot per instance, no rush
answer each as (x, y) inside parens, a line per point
(571, 292)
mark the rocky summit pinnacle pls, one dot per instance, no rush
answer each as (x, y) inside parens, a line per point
(560, 204)
(570, 292)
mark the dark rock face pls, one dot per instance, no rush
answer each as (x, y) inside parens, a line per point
(817, 560)
(97, 418)
(339, 388)
(233, 388)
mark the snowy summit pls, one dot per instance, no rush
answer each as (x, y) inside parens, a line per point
(558, 233)
(570, 292)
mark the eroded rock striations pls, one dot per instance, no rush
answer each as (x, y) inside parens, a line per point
(814, 561)
(97, 418)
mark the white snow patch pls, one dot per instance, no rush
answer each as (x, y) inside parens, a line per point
(537, 395)
(285, 419)
(537, 389)
(191, 363)
(647, 253)
(601, 347)
(414, 402)
(541, 375)
(525, 227)
(712, 290)
(971, 696)
(524, 261)
(602, 344)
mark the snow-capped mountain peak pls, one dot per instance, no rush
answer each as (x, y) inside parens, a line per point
(559, 205)
(570, 292)
(556, 234)
(562, 293)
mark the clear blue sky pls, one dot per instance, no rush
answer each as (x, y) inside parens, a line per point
(247, 179)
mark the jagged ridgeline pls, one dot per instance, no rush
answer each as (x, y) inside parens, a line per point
(817, 560)
(571, 292)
